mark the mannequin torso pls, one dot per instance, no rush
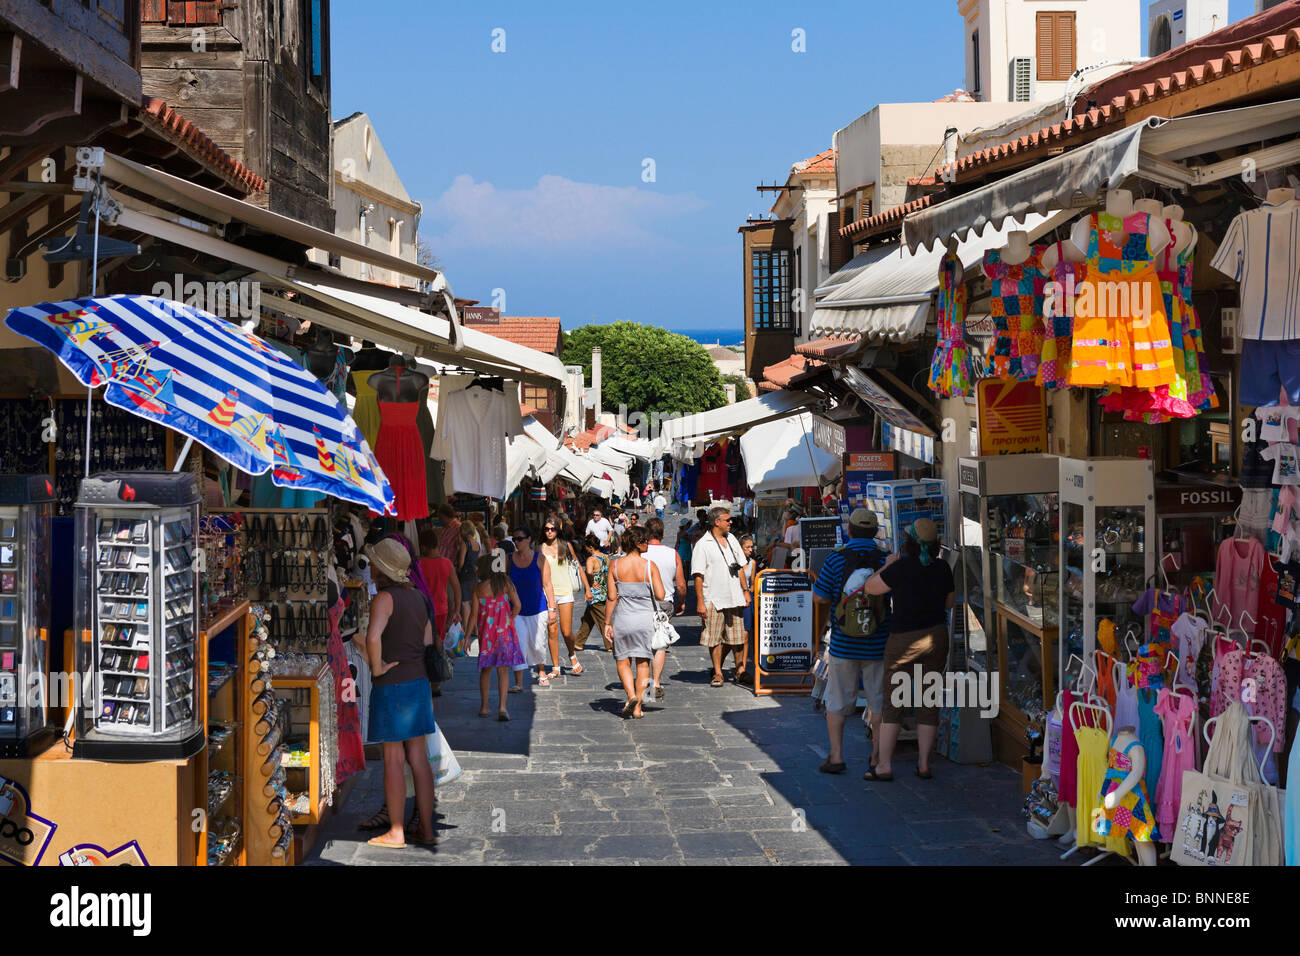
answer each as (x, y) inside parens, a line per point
(399, 382)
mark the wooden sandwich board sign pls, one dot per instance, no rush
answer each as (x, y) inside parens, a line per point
(784, 628)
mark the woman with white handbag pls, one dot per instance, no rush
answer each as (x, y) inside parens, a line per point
(673, 575)
(634, 589)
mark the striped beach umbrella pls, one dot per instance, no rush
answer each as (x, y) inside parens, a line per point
(210, 380)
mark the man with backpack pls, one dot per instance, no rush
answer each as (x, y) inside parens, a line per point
(859, 625)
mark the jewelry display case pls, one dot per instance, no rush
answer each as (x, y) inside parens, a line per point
(138, 616)
(1107, 519)
(26, 505)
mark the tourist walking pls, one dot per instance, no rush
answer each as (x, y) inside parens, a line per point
(471, 549)
(634, 587)
(721, 593)
(496, 605)
(593, 615)
(449, 533)
(920, 585)
(401, 710)
(853, 654)
(742, 675)
(566, 575)
(600, 526)
(673, 576)
(532, 579)
(660, 503)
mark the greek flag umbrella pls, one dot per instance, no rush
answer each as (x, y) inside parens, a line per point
(209, 380)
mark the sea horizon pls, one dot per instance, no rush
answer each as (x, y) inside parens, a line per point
(713, 336)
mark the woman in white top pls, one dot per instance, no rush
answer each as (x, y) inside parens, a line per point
(564, 566)
(673, 576)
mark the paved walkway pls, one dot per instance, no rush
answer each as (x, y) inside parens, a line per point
(707, 776)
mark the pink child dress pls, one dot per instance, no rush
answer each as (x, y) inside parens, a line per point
(1178, 712)
(497, 644)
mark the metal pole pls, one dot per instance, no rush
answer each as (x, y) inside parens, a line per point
(94, 281)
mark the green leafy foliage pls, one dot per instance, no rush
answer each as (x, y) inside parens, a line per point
(646, 368)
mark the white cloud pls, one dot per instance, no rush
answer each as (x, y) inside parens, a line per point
(555, 212)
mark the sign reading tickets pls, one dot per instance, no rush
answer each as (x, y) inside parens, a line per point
(1012, 417)
(785, 622)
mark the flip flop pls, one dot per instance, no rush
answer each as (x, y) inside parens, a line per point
(377, 841)
(878, 777)
(928, 775)
(828, 767)
(576, 670)
(659, 693)
(543, 681)
(504, 718)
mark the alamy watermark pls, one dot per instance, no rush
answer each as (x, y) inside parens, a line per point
(238, 299)
(921, 688)
(1100, 299)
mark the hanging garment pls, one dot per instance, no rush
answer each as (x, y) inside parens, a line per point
(1054, 368)
(1126, 704)
(1237, 573)
(952, 374)
(1257, 681)
(1091, 773)
(1121, 332)
(1068, 788)
(1203, 397)
(400, 454)
(1105, 665)
(351, 749)
(1015, 304)
(1163, 609)
(1259, 250)
(475, 427)
(1055, 739)
(1188, 634)
(1292, 824)
(1134, 815)
(1178, 712)
(1152, 734)
(365, 411)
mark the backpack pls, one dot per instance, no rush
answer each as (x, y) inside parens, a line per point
(859, 614)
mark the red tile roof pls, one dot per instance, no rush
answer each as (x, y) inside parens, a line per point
(827, 348)
(783, 373)
(823, 162)
(161, 118)
(1256, 41)
(534, 331)
(592, 436)
(891, 217)
(957, 96)
(526, 410)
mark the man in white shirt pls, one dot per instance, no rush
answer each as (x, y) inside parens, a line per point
(599, 525)
(720, 591)
(660, 504)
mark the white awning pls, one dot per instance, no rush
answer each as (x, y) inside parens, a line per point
(608, 456)
(1153, 149)
(523, 455)
(602, 487)
(731, 418)
(637, 448)
(887, 297)
(782, 454)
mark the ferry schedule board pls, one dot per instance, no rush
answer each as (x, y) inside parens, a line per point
(784, 625)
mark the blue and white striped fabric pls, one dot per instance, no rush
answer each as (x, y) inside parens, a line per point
(209, 379)
(1261, 250)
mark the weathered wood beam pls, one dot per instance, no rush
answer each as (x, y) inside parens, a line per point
(11, 55)
(21, 159)
(40, 97)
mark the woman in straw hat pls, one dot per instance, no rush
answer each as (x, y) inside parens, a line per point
(401, 708)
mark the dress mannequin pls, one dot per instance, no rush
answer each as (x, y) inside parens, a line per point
(401, 391)
(1126, 743)
(1119, 203)
(1017, 248)
(1277, 196)
(1184, 233)
(1152, 207)
(322, 360)
(400, 382)
(1051, 257)
(366, 410)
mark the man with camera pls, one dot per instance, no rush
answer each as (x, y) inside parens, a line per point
(721, 592)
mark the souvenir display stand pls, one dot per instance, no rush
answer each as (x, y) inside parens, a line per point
(897, 504)
(1009, 577)
(306, 700)
(25, 720)
(1107, 518)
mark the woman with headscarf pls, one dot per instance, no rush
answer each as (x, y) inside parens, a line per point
(920, 584)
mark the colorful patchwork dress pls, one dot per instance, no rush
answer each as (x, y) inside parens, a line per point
(1134, 815)
(1015, 303)
(1058, 319)
(951, 371)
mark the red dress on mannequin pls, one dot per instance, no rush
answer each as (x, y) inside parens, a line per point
(400, 453)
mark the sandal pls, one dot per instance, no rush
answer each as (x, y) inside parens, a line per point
(575, 669)
(659, 692)
(716, 682)
(626, 712)
(543, 680)
(828, 767)
(503, 717)
(555, 673)
(927, 775)
(380, 821)
(877, 777)
(380, 841)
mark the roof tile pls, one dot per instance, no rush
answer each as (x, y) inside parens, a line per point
(160, 117)
(541, 333)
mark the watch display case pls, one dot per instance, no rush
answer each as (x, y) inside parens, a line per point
(26, 505)
(138, 616)
(1107, 520)
(1009, 575)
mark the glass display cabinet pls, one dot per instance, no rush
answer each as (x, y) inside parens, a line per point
(26, 506)
(138, 616)
(1107, 519)
(1009, 553)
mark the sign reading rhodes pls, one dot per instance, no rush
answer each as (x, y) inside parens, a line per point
(785, 622)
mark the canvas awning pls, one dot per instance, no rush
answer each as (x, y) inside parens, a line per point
(1154, 150)
(601, 486)
(731, 418)
(900, 429)
(781, 454)
(887, 296)
(637, 448)
(608, 456)
(523, 455)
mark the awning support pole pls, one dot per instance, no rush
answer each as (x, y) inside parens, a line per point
(185, 450)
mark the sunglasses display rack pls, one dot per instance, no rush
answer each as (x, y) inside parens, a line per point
(138, 616)
(267, 825)
(26, 503)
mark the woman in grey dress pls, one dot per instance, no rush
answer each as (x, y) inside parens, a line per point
(635, 589)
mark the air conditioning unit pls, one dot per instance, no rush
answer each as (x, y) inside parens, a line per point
(1171, 23)
(1021, 87)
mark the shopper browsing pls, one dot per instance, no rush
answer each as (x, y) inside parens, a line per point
(717, 564)
(492, 618)
(593, 615)
(634, 587)
(660, 503)
(532, 579)
(566, 577)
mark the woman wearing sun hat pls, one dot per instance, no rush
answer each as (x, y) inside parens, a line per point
(401, 708)
(921, 586)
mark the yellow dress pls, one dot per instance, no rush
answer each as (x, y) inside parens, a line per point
(1094, 747)
(366, 411)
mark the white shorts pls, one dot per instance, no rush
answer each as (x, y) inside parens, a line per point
(842, 685)
(563, 599)
(531, 631)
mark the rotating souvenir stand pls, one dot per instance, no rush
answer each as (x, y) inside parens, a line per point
(26, 504)
(269, 830)
(897, 504)
(224, 764)
(1107, 521)
(1009, 579)
(138, 616)
(306, 701)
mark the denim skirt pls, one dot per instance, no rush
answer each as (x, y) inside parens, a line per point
(400, 711)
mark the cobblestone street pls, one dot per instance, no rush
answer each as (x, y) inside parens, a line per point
(708, 776)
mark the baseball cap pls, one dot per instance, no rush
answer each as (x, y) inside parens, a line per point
(864, 519)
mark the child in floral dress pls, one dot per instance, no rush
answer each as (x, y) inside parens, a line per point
(492, 615)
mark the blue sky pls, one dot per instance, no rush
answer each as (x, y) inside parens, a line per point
(529, 162)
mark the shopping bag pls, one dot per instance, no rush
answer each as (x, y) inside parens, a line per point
(451, 642)
(1214, 822)
(446, 767)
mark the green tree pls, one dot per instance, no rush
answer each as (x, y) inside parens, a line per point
(646, 368)
(741, 383)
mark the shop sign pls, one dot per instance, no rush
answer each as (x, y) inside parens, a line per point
(480, 315)
(969, 477)
(829, 436)
(1196, 499)
(910, 443)
(24, 836)
(1012, 417)
(819, 533)
(785, 621)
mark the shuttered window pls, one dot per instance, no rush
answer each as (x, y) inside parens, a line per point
(1056, 49)
(181, 12)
